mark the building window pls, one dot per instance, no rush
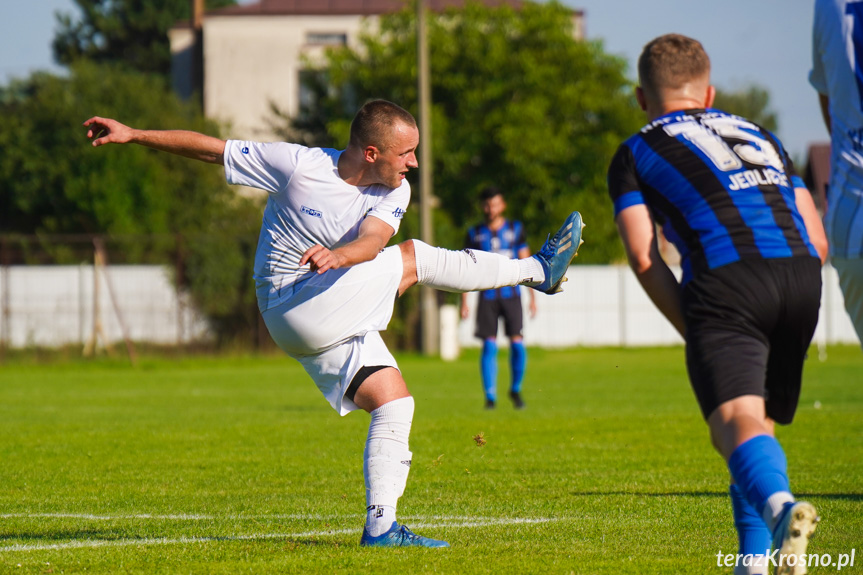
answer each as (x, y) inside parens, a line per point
(326, 38)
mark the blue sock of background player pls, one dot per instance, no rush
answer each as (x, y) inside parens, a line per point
(517, 366)
(488, 367)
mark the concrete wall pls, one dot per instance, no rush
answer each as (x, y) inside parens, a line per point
(251, 61)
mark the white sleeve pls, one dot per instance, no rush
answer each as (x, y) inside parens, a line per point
(265, 166)
(392, 206)
(816, 75)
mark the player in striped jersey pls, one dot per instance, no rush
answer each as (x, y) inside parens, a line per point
(837, 75)
(751, 242)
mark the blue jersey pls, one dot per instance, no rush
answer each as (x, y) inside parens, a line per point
(721, 187)
(507, 241)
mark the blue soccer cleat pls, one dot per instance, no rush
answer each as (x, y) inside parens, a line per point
(791, 536)
(399, 536)
(557, 252)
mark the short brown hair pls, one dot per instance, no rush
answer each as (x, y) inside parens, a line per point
(373, 124)
(670, 61)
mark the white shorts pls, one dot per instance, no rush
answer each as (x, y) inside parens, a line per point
(331, 322)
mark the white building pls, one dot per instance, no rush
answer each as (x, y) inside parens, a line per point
(253, 54)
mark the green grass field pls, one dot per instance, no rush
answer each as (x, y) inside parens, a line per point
(237, 465)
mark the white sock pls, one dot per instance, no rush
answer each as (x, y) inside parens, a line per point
(379, 519)
(472, 270)
(386, 462)
(773, 508)
(531, 272)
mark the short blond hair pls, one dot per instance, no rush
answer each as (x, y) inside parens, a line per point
(669, 62)
(375, 123)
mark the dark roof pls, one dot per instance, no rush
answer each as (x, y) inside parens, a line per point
(340, 7)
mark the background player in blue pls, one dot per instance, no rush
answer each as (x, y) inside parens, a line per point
(837, 74)
(505, 237)
(751, 245)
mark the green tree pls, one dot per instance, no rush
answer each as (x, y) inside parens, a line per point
(518, 103)
(131, 32)
(753, 103)
(54, 182)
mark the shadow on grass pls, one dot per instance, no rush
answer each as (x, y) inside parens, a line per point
(846, 496)
(648, 494)
(723, 494)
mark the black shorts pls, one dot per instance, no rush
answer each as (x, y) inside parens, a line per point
(748, 327)
(488, 310)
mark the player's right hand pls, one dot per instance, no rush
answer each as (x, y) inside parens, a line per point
(107, 131)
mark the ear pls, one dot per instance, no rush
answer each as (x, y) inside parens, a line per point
(711, 95)
(639, 95)
(370, 154)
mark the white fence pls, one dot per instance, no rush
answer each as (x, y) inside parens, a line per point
(58, 305)
(601, 306)
(606, 306)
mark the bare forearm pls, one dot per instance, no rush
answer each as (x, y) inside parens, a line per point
(362, 249)
(182, 143)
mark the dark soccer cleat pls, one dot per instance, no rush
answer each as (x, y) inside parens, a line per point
(517, 401)
(399, 536)
(557, 252)
(791, 536)
(489, 404)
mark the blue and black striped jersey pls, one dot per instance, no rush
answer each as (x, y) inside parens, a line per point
(507, 241)
(721, 187)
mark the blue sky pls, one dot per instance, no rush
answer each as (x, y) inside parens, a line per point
(766, 42)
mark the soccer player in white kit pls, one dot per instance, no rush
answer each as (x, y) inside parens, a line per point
(837, 75)
(326, 283)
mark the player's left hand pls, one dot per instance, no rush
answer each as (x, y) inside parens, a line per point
(320, 259)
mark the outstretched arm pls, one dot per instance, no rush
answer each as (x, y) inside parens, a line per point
(638, 233)
(373, 237)
(181, 142)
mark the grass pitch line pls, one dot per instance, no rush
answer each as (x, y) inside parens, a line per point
(94, 543)
(167, 517)
(464, 519)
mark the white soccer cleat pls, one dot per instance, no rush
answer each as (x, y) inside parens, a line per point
(791, 537)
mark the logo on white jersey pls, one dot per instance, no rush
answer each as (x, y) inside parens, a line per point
(399, 213)
(311, 212)
(245, 149)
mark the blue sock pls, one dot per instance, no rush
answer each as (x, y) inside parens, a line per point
(488, 367)
(752, 532)
(517, 364)
(760, 470)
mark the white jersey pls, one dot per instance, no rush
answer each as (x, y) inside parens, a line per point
(309, 204)
(837, 72)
